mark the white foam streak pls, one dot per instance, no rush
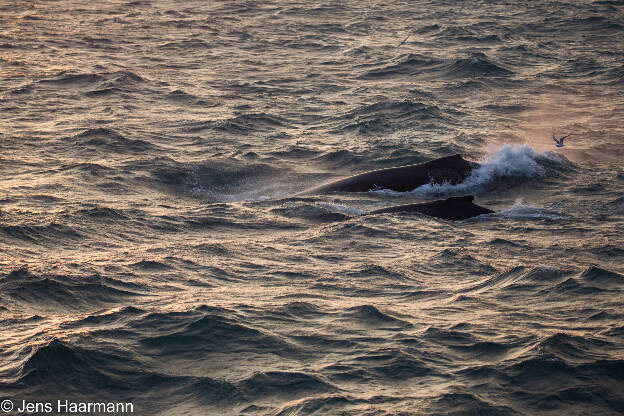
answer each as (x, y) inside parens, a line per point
(521, 211)
(341, 209)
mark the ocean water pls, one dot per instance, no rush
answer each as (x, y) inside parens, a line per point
(151, 251)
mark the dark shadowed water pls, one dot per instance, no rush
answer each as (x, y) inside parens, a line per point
(150, 253)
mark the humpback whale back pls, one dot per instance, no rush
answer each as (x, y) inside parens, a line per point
(451, 169)
(454, 208)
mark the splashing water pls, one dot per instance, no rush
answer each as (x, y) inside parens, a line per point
(508, 162)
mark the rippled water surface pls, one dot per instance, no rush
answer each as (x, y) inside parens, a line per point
(151, 250)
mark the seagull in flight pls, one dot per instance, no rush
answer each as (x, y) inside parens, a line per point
(560, 141)
(404, 40)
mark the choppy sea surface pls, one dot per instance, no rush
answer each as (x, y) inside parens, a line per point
(151, 250)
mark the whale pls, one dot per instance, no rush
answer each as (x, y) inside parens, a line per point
(450, 169)
(454, 208)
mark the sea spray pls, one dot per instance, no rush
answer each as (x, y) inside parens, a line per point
(511, 162)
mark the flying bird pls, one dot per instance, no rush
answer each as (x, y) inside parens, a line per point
(560, 141)
(404, 40)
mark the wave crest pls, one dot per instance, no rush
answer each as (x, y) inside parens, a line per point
(509, 164)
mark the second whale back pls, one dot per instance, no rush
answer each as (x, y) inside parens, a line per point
(454, 208)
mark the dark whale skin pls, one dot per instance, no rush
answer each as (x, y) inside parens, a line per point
(452, 169)
(454, 209)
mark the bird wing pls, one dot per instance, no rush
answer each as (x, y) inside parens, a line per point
(561, 139)
(555, 139)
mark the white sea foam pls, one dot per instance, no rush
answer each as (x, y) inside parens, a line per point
(521, 211)
(507, 162)
(341, 208)
(252, 191)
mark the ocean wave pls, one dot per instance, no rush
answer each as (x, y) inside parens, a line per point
(616, 204)
(184, 97)
(187, 44)
(24, 89)
(572, 348)
(103, 92)
(374, 270)
(426, 67)
(507, 166)
(61, 292)
(460, 262)
(103, 84)
(242, 124)
(61, 367)
(223, 180)
(409, 64)
(548, 382)
(388, 116)
(319, 342)
(126, 77)
(462, 403)
(521, 278)
(108, 317)
(311, 212)
(603, 278)
(284, 384)
(402, 108)
(477, 65)
(58, 361)
(591, 281)
(151, 265)
(449, 337)
(94, 169)
(64, 79)
(348, 230)
(107, 139)
(299, 310)
(472, 39)
(371, 316)
(101, 212)
(484, 350)
(209, 333)
(40, 233)
(573, 286)
(392, 364)
(325, 405)
(536, 371)
(595, 23)
(295, 153)
(340, 158)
